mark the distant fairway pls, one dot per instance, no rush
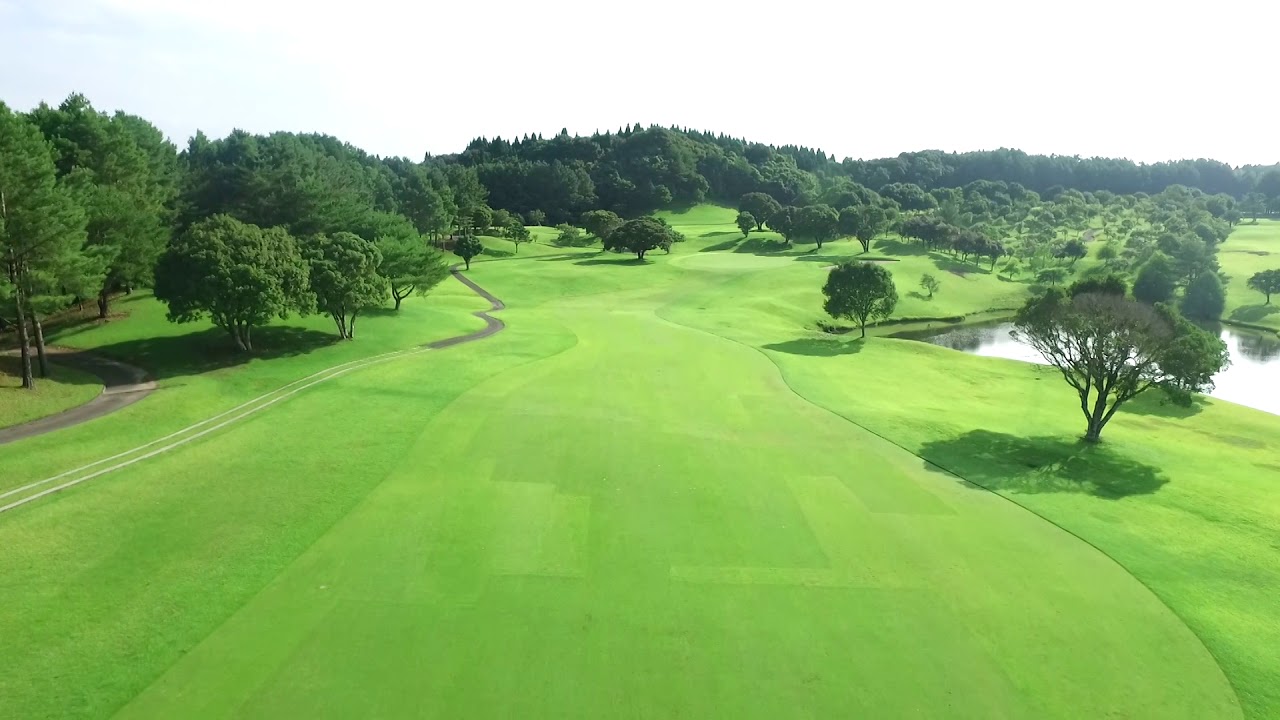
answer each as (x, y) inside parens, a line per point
(1251, 249)
(657, 493)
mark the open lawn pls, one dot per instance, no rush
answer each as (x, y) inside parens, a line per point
(64, 388)
(1251, 249)
(658, 493)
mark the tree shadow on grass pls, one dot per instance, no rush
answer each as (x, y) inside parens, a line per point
(1253, 313)
(212, 349)
(720, 233)
(1032, 465)
(760, 246)
(956, 267)
(726, 245)
(1158, 404)
(618, 261)
(900, 247)
(818, 347)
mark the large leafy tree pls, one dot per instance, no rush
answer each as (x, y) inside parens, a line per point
(238, 275)
(409, 264)
(783, 222)
(745, 222)
(1156, 281)
(600, 223)
(123, 172)
(1204, 298)
(344, 277)
(818, 223)
(1266, 282)
(1110, 349)
(866, 223)
(760, 206)
(42, 232)
(639, 236)
(467, 247)
(517, 233)
(860, 291)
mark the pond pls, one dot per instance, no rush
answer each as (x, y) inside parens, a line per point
(1253, 379)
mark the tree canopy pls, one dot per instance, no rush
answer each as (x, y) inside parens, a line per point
(639, 236)
(1266, 282)
(236, 274)
(1111, 349)
(344, 277)
(860, 291)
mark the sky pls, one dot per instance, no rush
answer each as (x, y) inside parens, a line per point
(1139, 79)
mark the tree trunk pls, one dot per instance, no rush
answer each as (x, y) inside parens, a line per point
(248, 337)
(863, 325)
(640, 254)
(467, 262)
(40, 354)
(351, 327)
(24, 344)
(238, 337)
(103, 304)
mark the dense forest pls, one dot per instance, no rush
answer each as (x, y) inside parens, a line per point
(248, 227)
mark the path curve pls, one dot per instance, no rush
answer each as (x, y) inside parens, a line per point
(35, 490)
(123, 385)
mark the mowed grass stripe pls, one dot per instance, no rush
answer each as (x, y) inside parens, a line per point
(425, 582)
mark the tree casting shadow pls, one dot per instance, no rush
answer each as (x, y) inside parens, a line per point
(212, 349)
(1032, 465)
(818, 347)
(900, 247)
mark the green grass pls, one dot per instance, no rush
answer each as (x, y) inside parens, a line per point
(65, 388)
(656, 494)
(1251, 249)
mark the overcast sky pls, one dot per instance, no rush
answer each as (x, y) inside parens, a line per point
(1125, 78)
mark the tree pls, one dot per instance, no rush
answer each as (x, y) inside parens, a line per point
(1156, 280)
(746, 221)
(783, 222)
(760, 206)
(501, 219)
(517, 233)
(481, 219)
(1253, 205)
(929, 284)
(640, 236)
(817, 222)
(1108, 253)
(865, 222)
(570, 236)
(1111, 349)
(1073, 250)
(601, 223)
(1204, 298)
(1266, 282)
(1051, 275)
(409, 264)
(535, 218)
(467, 247)
(42, 230)
(238, 275)
(344, 277)
(125, 189)
(860, 291)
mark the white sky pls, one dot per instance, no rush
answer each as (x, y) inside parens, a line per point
(1125, 78)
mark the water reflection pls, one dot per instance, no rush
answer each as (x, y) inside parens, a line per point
(1253, 379)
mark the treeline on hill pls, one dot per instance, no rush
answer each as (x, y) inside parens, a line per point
(249, 227)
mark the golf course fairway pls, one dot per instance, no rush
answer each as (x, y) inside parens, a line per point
(612, 508)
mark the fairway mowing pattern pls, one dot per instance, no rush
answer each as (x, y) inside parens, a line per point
(613, 531)
(30, 492)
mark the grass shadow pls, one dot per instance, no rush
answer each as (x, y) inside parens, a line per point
(760, 246)
(720, 233)
(900, 247)
(726, 245)
(1013, 464)
(1157, 404)
(818, 347)
(919, 296)
(211, 349)
(956, 267)
(1253, 313)
(619, 261)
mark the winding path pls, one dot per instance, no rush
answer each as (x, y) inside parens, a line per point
(16, 497)
(123, 385)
